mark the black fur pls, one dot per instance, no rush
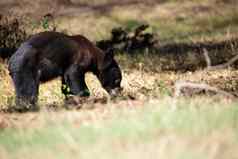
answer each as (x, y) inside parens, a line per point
(48, 55)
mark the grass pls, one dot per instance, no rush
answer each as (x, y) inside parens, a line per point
(192, 21)
(201, 126)
(193, 130)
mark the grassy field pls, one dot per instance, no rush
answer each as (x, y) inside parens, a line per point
(199, 128)
(147, 121)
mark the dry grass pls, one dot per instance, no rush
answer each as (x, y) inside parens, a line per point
(139, 84)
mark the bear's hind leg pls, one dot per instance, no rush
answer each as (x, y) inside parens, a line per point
(26, 87)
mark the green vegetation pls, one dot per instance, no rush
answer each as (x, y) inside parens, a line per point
(192, 130)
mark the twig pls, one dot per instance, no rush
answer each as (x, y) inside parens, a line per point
(221, 66)
(207, 58)
(179, 85)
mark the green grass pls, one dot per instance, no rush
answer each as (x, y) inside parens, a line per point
(191, 126)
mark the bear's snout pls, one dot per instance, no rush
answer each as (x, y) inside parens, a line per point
(115, 91)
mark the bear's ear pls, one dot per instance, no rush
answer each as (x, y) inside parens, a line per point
(107, 60)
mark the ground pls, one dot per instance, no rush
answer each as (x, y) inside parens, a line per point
(148, 120)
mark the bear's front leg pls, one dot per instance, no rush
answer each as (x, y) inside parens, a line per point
(65, 88)
(74, 78)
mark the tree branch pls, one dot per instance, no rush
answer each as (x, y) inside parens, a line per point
(221, 66)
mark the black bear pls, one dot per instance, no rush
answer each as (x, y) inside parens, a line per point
(48, 55)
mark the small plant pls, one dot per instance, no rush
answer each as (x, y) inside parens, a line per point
(46, 22)
(163, 88)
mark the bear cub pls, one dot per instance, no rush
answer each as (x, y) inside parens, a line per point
(47, 55)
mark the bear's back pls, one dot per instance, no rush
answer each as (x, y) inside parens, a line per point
(42, 39)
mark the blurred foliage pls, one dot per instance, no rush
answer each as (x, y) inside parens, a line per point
(12, 34)
(13, 31)
(131, 39)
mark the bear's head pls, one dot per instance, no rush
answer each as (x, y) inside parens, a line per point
(110, 74)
